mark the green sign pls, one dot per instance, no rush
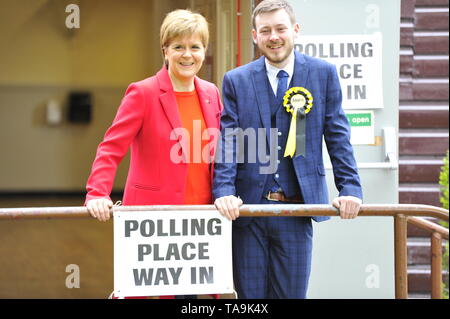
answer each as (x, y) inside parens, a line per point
(360, 119)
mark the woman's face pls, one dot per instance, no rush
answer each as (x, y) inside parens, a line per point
(185, 56)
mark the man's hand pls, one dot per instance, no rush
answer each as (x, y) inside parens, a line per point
(348, 206)
(99, 208)
(228, 206)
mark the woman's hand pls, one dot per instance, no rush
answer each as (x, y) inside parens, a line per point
(99, 208)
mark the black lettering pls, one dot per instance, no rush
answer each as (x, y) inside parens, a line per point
(147, 228)
(366, 49)
(206, 275)
(184, 252)
(342, 71)
(217, 230)
(160, 226)
(172, 251)
(197, 227)
(143, 250)
(203, 250)
(130, 225)
(143, 275)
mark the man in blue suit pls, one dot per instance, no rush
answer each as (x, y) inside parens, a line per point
(272, 255)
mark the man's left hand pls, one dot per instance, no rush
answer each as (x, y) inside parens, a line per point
(348, 206)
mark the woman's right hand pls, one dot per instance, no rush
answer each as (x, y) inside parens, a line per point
(99, 208)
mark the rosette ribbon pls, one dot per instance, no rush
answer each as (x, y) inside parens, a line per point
(298, 101)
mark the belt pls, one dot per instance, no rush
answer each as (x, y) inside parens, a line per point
(281, 197)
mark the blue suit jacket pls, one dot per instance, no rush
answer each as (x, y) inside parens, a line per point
(246, 106)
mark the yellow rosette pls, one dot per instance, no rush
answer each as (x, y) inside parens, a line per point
(298, 101)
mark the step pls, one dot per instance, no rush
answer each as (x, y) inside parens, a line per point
(431, 42)
(419, 251)
(423, 142)
(435, 89)
(426, 194)
(431, 19)
(423, 116)
(419, 170)
(419, 278)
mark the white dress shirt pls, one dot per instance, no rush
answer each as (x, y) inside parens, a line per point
(273, 71)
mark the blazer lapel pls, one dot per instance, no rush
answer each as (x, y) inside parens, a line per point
(170, 107)
(262, 99)
(208, 109)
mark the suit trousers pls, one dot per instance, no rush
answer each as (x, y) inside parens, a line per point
(272, 257)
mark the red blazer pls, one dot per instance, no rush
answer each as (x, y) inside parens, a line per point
(144, 122)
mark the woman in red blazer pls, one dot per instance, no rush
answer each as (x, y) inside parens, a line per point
(170, 122)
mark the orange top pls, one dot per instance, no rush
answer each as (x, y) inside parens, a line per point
(198, 184)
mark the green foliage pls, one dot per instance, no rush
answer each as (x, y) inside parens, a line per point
(443, 181)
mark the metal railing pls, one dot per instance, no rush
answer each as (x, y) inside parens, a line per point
(402, 213)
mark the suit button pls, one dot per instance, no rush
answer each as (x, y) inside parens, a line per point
(279, 148)
(280, 133)
(277, 176)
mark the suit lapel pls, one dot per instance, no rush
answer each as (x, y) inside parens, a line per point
(301, 71)
(259, 77)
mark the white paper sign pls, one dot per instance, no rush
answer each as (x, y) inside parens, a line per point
(362, 125)
(159, 253)
(358, 60)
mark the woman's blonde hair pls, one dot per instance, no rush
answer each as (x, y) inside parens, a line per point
(179, 23)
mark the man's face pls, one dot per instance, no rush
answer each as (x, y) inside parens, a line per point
(274, 35)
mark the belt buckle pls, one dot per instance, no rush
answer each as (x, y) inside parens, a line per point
(272, 199)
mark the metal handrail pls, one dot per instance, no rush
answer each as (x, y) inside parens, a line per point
(400, 212)
(437, 233)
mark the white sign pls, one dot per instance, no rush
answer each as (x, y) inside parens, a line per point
(358, 59)
(158, 253)
(362, 127)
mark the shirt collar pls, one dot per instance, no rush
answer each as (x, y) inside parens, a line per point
(289, 68)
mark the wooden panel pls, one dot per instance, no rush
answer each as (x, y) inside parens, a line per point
(431, 44)
(420, 281)
(406, 63)
(431, 2)
(430, 91)
(431, 21)
(423, 118)
(406, 91)
(411, 145)
(407, 9)
(430, 68)
(419, 173)
(406, 36)
(419, 197)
